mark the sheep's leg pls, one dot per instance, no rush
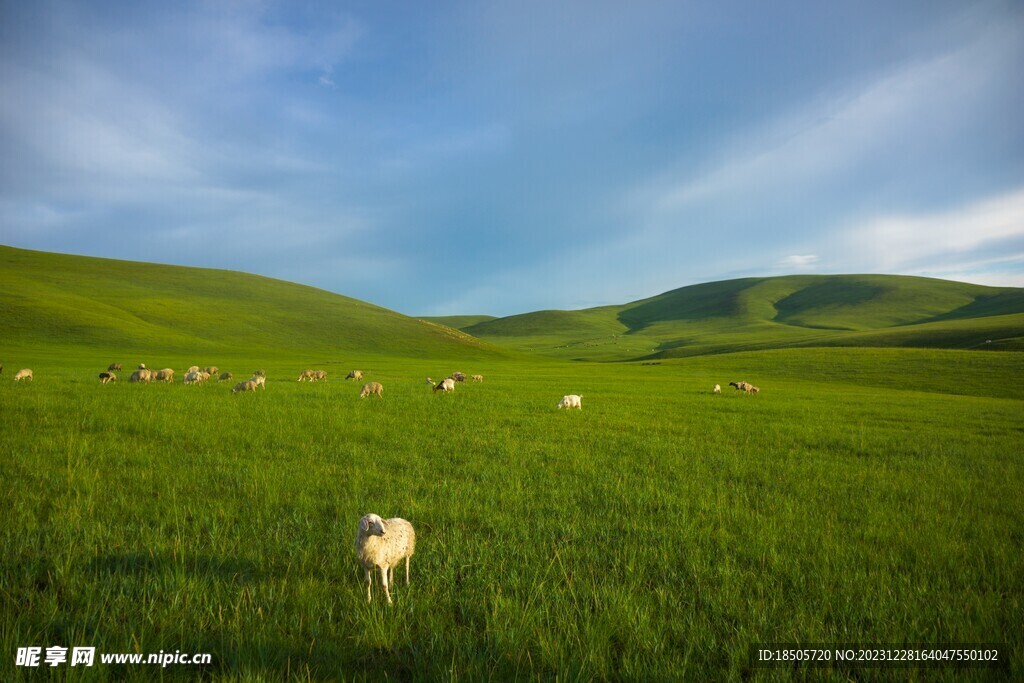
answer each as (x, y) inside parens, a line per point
(406, 570)
(369, 581)
(384, 578)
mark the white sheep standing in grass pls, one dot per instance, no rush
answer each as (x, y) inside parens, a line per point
(107, 377)
(24, 373)
(478, 378)
(355, 374)
(372, 388)
(572, 401)
(247, 385)
(144, 376)
(384, 543)
(717, 389)
(445, 385)
(194, 368)
(261, 381)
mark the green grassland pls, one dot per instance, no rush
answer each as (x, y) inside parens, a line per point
(867, 494)
(766, 313)
(57, 300)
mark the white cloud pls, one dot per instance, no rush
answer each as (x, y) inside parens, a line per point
(799, 261)
(980, 240)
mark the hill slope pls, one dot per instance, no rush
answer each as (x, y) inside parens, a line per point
(56, 300)
(760, 313)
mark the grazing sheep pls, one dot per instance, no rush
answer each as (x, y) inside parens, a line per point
(306, 375)
(197, 377)
(114, 366)
(225, 377)
(165, 375)
(24, 373)
(260, 373)
(384, 543)
(717, 389)
(194, 368)
(445, 385)
(572, 401)
(752, 390)
(107, 377)
(478, 378)
(740, 386)
(142, 375)
(212, 370)
(458, 376)
(247, 385)
(260, 380)
(372, 388)
(319, 375)
(355, 374)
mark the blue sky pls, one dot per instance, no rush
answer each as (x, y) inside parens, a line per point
(468, 157)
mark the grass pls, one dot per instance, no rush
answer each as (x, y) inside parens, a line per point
(57, 300)
(654, 535)
(869, 494)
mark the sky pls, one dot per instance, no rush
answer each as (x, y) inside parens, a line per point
(502, 157)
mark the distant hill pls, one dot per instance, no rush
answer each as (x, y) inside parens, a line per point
(457, 321)
(775, 312)
(57, 300)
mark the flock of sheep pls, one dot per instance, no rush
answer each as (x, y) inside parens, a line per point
(380, 544)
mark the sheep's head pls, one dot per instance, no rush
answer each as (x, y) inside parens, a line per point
(372, 525)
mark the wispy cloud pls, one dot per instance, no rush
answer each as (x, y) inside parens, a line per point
(799, 261)
(984, 235)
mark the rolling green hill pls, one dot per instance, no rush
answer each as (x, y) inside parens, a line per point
(763, 313)
(57, 301)
(457, 321)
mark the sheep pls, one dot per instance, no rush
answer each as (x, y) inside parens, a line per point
(107, 377)
(194, 368)
(430, 381)
(445, 385)
(142, 375)
(114, 366)
(142, 366)
(225, 377)
(752, 390)
(384, 543)
(458, 376)
(717, 389)
(247, 385)
(165, 375)
(355, 374)
(261, 381)
(24, 373)
(197, 377)
(372, 388)
(478, 378)
(259, 373)
(211, 370)
(319, 375)
(306, 375)
(572, 401)
(740, 386)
